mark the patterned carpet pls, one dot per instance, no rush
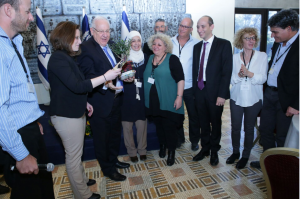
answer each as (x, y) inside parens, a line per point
(186, 179)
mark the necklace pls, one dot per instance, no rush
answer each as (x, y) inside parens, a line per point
(159, 60)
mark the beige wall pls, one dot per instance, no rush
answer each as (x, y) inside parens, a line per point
(222, 12)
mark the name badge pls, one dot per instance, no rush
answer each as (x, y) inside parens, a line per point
(30, 87)
(271, 71)
(151, 80)
(139, 84)
(245, 87)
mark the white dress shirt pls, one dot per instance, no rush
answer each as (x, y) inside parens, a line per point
(186, 58)
(258, 66)
(207, 51)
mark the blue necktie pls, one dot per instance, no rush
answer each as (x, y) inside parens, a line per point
(109, 57)
(113, 64)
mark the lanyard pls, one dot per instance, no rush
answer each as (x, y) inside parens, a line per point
(180, 49)
(249, 60)
(21, 60)
(155, 66)
(278, 58)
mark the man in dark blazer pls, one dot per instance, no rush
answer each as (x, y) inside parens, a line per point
(96, 59)
(281, 96)
(212, 67)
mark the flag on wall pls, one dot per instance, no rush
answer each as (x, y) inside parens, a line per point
(43, 49)
(85, 28)
(125, 29)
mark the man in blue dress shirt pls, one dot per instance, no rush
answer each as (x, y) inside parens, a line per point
(281, 96)
(20, 135)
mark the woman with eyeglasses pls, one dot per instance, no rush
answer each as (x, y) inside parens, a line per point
(69, 101)
(249, 73)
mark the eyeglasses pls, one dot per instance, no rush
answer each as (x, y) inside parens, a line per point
(102, 31)
(185, 27)
(157, 27)
(250, 38)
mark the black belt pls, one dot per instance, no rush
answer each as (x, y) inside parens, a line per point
(273, 88)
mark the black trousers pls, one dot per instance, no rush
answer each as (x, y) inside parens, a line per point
(30, 186)
(194, 127)
(107, 137)
(210, 120)
(271, 117)
(250, 115)
(166, 132)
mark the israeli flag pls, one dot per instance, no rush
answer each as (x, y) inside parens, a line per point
(85, 27)
(43, 49)
(125, 29)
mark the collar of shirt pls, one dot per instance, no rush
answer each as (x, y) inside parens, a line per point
(210, 40)
(289, 42)
(18, 39)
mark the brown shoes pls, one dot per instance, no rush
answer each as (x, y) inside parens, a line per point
(143, 157)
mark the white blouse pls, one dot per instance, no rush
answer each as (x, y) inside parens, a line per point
(254, 93)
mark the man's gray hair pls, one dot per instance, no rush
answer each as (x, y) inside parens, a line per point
(99, 18)
(161, 20)
(14, 3)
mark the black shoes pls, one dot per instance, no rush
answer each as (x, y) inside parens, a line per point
(91, 182)
(134, 159)
(255, 164)
(95, 196)
(214, 159)
(241, 163)
(195, 147)
(232, 158)
(162, 151)
(122, 165)
(4, 189)
(143, 157)
(171, 158)
(117, 176)
(201, 155)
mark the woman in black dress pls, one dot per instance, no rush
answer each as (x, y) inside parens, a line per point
(164, 84)
(133, 108)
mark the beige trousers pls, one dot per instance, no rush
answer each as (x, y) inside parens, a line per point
(141, 126)
(71, 132)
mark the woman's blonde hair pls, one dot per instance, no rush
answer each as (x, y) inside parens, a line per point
(164, 38)
(239, 35)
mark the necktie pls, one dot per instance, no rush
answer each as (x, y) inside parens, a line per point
(109, 57)
(119, 82)
(200, 76)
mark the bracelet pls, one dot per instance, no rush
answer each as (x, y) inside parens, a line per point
(179, 95)
(104, 78)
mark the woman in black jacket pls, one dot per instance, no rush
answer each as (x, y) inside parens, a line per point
(69, 100)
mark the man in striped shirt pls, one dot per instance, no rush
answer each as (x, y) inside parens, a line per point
(20, 135)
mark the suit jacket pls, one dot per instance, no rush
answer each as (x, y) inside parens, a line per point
(218, 68)
(93, 63)
(288, 77)
(68, 86)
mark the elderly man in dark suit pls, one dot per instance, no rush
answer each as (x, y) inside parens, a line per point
(212, 67)
(281, 96)
(96, 59)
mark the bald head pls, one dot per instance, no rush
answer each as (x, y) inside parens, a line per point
(185, 28)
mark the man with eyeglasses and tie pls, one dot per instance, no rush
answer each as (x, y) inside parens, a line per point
(212, 68)
(183, 45)
(281, 96)
(95, 60)
(160, 26)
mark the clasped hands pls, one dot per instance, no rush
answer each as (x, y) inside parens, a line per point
(111, 86)
(244, 72)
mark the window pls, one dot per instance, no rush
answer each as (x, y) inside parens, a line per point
(257, 18)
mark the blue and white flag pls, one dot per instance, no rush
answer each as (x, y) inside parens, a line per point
(125, 29)
(85, 27)
(43, 49)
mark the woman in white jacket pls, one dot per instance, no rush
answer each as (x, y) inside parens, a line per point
(248, 76)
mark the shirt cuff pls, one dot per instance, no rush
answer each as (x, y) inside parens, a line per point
(104, 87)
(19, 153)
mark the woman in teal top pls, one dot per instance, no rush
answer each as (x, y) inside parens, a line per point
(163, 90)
